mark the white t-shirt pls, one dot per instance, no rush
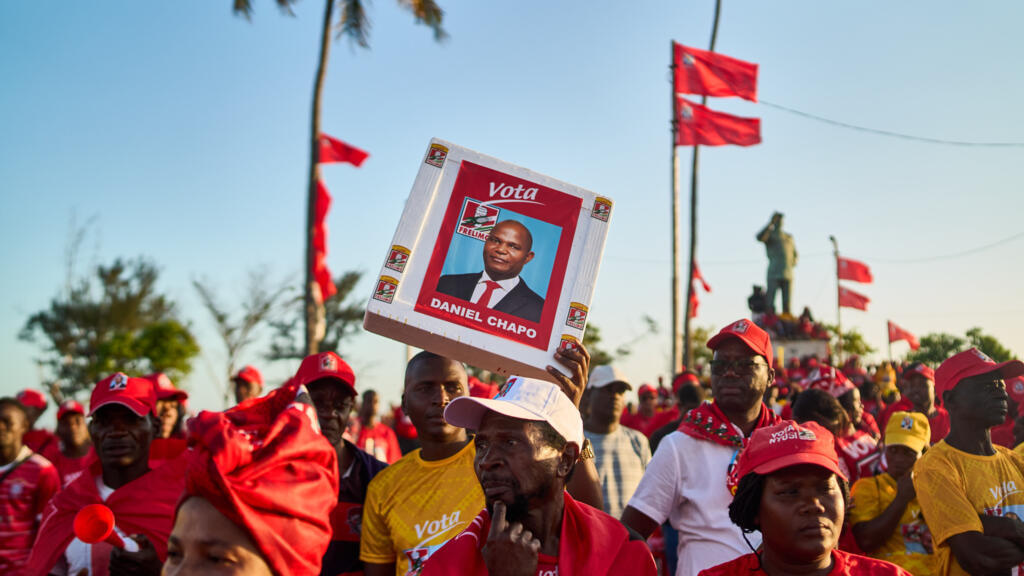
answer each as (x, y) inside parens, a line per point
(78, 555)
(685, 483)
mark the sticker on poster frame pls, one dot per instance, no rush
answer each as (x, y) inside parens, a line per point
(577, 316)
(602, 209)
(568, 342)
(436, 155)
(398, 258)
(385, 290)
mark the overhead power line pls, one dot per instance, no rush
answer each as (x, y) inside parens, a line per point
(890, 133)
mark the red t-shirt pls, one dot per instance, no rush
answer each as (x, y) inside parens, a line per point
(380, 442)
(67, 467)
(39, 440)
(23, 495)
(860, 454)
(547, 565)
(843, 564)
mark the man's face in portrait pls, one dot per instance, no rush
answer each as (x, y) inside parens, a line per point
(507, 249)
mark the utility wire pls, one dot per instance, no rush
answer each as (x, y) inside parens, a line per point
(891, 133)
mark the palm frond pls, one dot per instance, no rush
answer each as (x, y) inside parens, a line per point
(244, 7)
(353, 22)
(429, 13)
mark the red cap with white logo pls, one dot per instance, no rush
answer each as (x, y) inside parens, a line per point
(750, 334)
(32, 398)
(970, 363)
(773, 448)
(325, 365)
(69, 407)
(136, 394)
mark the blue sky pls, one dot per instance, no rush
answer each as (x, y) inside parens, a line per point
(181, 131)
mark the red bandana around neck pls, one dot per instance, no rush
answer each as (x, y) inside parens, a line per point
(707, 422)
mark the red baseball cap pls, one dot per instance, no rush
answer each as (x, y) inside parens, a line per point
(830, 380)
(136, 394)
(969, 363)
(786, 444)
(750, 334)
(69, 406)
(684, 378)
(165, 389)
(647, 389)
(250, 374)
(325, 365)
(1015, 388)
(32, 398)
(921, 369)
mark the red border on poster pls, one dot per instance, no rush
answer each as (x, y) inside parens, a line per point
(486, 185)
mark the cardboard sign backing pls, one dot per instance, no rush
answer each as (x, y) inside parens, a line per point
(471, 218)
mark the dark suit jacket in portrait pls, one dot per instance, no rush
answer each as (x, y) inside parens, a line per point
(520, 301)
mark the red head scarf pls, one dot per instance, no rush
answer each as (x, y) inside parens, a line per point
(267, 468)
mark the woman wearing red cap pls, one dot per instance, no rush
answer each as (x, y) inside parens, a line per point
(792, 490)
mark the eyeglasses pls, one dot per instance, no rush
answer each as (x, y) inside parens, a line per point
(741, 367)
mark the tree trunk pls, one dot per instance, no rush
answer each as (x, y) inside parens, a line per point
(311, 305)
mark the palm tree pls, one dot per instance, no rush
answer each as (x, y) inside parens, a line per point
(354, 24)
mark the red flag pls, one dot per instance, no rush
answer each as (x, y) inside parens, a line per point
(700, 277)
(896, 334)
(321, 274)
(694, 303)
(850, 299)
(854, 271)
(712, 74)
(333, 150)
(701, 125)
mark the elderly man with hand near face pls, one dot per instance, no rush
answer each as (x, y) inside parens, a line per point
(689, 480)
(528, 442)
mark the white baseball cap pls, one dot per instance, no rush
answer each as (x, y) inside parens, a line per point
(604, 375)
(525, 399)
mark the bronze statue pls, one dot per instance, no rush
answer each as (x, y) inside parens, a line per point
(781, 259)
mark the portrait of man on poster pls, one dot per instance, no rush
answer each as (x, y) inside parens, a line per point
(508, 247)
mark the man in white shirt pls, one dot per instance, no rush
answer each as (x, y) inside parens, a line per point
(507, 249)
(688, 479)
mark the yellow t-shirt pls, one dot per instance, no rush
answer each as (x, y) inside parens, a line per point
(906, 546)
(955, 487)
(414, 506)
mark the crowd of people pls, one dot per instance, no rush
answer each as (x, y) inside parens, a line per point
(748, 464)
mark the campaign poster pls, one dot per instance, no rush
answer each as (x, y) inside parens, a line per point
(500, 257)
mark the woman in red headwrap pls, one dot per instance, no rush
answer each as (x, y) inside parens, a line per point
(259, 489)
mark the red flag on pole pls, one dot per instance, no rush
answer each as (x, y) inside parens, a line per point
(694, 300)
(850, 299)
(854, 271)
(700, 125)
(713, 74)
(333, 150)
(700, 277)
(321, 275)
(896, 334)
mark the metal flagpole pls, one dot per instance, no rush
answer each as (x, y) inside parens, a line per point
(676, 320)
(688, 344)
(839, 320)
